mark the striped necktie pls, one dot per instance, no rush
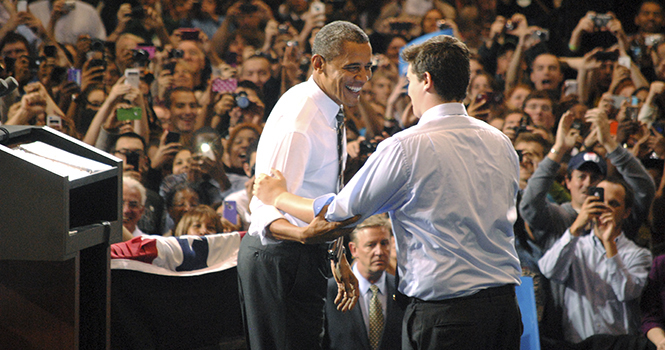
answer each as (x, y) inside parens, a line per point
(340, 149)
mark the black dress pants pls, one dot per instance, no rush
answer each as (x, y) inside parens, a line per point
(489, 319)
(282, 294)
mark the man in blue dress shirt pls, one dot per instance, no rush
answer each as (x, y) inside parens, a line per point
(449, 185)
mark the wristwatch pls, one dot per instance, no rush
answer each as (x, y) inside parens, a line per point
(336, 250)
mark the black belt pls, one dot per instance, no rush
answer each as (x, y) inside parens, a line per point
(508, 289)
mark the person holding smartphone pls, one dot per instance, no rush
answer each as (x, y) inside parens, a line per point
(619, 267)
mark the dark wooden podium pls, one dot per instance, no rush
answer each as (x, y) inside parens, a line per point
(54, 246)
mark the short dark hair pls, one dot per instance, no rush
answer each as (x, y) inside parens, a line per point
(131, 135)
(531, 137)
(13, 37)
(329, 41)
(250, 85)
(538, 95)
(168, 99)
(629, 198)
(446, 59)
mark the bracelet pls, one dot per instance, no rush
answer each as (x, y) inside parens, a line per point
(553, 151)
(572, 47)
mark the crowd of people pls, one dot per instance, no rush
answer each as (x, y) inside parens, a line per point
(181, 91)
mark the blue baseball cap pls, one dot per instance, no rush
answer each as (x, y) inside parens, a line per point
(591, 158)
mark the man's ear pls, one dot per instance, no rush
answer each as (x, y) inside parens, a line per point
(352, 248)
(429, 83)
(318, 63)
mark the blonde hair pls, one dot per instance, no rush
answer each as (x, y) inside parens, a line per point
(199, 213)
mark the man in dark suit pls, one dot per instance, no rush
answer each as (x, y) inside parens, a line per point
(365, 327)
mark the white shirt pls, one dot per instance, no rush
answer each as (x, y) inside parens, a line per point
(601, 294)
(366, 294)
(449, 185)
(300, 140)
(137, 232)
(83, 19)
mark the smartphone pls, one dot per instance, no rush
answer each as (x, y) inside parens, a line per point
(134, 113)
(50, 51)
(401, 26)
(149, 49)
(597, 192)
(606, 56)
(54, 121)
(169, 67)
(651, 39)
(172, 137)
(133, 159)
(189, 34)
(632, 111)
(22, 6)
(206, 150)
(487, 96)
(618, 100)
(230, 212)
(97, 63)
(570, 87)
(132, 77)
(224, 86)
(624, 61)
(74, 75)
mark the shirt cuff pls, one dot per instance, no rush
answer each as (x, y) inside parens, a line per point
(321, 202)
(259, 228)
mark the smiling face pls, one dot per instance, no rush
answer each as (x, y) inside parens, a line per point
(183, 110)
(238, 148)
(343, 77)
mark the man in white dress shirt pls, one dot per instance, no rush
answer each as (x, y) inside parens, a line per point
(282, 282)
(449, 184)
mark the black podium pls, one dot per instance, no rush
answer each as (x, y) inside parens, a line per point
(55, 231)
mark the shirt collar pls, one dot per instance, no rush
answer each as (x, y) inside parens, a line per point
(599, 244)
(364, 284)
(327, 106)
(443, 109)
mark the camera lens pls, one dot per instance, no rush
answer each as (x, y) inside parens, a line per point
(241, 100)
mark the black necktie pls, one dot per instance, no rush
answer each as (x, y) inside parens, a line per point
(340, 149)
